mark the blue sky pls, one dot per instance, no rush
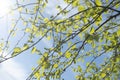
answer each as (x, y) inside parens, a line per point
(19, 67)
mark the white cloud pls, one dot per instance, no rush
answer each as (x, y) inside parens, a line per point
(11, 70)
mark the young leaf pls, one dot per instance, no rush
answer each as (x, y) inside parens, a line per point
(92, 30)
(46, 20)
(17, 50)
(26, 46)
(55, 65)
(68, 55)
(118, 33)
(98, 2)
(28, 30)
(34, 49)
(80, 8)
(103, 75)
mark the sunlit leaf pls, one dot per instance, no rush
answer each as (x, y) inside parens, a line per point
(92, 30)
(26, 46)
(55, 65)
(80, 8)
(17, 50)
(118, 33)
(103, 75)
(28, 30)
(68, 54)
(98, 2)
(20, 9)
(46, 20)
(34, 49)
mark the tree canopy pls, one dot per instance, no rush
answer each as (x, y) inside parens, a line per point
(79, 31)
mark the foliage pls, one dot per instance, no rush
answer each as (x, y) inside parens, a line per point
(82, 30)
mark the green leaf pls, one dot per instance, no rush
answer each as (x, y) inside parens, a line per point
(98, 2)
(118, 33)
(92, 30)
(34, 49)
(26, 46)
(28, 30)
(17, 50)
(46, 20)
(81, 8)
(79, 68)
(46, 65)
(93, 44)
(37, 75)
(96, 38)
(48, 37)
(34, 28)
(75, 3)
(55, 65)
(76, 26)
(20, 9)
(68, 55)
(45, 54)
(103, 75)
